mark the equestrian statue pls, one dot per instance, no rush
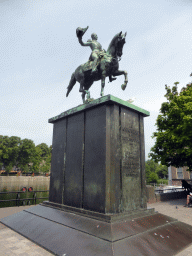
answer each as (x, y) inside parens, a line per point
(101, 64)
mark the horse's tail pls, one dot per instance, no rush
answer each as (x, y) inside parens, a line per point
(71, 84)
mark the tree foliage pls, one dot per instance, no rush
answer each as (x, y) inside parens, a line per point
(153, 177)
(9, 150)
(173, 144)
(24, 155)
(45, 150)
(155, 171)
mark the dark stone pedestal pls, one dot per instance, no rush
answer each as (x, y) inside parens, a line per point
(98, 157)
(97, 201)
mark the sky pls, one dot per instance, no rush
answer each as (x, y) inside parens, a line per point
(39, 51)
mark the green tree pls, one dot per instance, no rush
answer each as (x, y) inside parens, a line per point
(153, 177)
(152, 167)
(9, 149)
(173, 144)
(45, 166)
(162, 171)
(45, 150)
(14, 144)
(36, 159)
(26, 154)
(3, 150)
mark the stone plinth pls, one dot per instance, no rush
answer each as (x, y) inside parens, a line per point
(98, 157)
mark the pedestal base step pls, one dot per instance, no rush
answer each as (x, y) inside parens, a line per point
(70, 234)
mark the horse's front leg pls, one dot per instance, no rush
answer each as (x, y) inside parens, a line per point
(119, 73)
(103, 76)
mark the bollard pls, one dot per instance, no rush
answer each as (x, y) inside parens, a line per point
(34, 198)
(17, 199)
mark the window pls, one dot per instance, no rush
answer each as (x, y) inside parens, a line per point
(180, 173)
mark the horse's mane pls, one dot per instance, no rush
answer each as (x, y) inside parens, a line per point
(112, 41)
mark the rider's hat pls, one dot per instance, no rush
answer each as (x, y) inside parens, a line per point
(81, 31)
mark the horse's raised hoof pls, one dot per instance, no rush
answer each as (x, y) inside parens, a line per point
(123, 86)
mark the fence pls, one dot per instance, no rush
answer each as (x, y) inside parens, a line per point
(21, 201)
(168, 190)
(157, 184)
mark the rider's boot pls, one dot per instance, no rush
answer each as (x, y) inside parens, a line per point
(94, 67)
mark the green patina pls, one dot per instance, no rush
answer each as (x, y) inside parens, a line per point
(101, 64)
(94, 103)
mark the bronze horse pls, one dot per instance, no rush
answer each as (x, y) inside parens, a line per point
(107, 66)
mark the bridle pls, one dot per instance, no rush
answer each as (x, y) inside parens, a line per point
(119, 58)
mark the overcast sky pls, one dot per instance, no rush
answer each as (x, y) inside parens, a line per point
(39, 51)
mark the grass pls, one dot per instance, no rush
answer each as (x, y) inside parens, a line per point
(162, 181)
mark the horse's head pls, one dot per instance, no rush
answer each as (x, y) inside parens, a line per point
(116, 46)
(120, 43)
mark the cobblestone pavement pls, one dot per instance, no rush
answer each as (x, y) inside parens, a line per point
(12, 243)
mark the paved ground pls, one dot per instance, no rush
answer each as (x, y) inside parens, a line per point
(11, 243)
(176, 209)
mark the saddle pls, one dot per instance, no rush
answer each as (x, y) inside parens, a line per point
(89, 64)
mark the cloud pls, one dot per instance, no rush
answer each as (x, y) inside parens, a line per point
(163, 44)
(153, 103)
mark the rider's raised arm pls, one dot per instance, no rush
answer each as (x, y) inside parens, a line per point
(82, 43)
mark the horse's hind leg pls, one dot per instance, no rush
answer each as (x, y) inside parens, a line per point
(83, 96)
(81, 89)
(71, 84)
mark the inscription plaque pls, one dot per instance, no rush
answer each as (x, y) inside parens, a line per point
(130, 143)
(130, 150)
(129, 134)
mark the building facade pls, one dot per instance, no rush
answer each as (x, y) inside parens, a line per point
(177, 174)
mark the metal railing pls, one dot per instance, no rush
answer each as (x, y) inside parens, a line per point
(18, 199)
(171, 190)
